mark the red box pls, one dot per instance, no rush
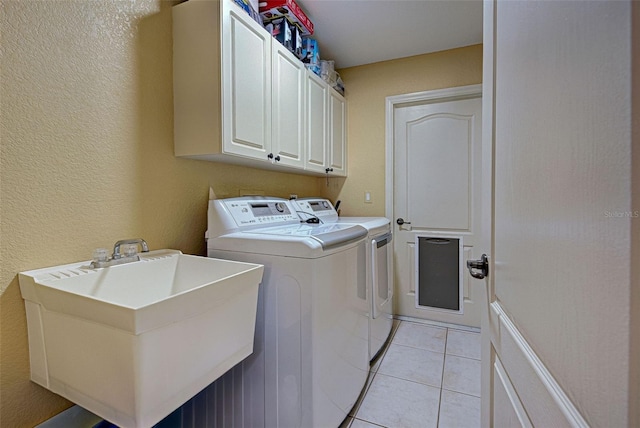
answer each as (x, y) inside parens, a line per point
(273, 9)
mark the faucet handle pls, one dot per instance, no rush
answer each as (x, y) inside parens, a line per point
(100, 255)
(129, 250)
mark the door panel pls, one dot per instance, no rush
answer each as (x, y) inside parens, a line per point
(534, 394)
(507, 408)
(438, 155)
(437, 165)
(558, 122)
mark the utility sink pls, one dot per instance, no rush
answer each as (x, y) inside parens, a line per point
(133, 342)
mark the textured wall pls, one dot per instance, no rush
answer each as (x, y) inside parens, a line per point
(366, 88)
(87, 157)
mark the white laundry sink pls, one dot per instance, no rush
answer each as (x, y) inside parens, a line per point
(133, 342)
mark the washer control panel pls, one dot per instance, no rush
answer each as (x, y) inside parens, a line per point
(260, 212)
(316, 207)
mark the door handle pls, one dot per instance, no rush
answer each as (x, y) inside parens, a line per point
(482, 265)
(401, 221)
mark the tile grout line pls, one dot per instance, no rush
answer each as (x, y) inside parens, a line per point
(465, 357)
(444, 360)
(370, 423)
(374, 373)
(361, 399)
(419, 321)
(423, 349)
(462, 357)
(461, 393)
(383, 356)
(416, 347)
(411, 380)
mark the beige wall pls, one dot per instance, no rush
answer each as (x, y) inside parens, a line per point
(366, 89)
(87, 157)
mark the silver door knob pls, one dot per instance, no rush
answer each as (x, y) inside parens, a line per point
(481, 265)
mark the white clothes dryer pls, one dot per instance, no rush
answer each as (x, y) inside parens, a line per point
(378, 264)
(310, 359)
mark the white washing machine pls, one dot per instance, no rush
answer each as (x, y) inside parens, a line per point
(310, 359)
(379, 259)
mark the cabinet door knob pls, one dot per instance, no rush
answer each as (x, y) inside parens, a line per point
(328, 170)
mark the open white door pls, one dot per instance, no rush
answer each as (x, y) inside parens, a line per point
(557, 111)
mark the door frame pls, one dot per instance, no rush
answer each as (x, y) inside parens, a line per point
(487, 359)
(437, 95)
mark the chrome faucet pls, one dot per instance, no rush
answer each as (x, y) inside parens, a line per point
(101, 258)
(116, 247)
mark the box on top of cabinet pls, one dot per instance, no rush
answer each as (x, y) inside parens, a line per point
(247, 6)
(287, 33)
(311, 55)
(273, 9)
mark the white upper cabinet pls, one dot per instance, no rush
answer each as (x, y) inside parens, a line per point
(288, 106)
(326, 132)
(316, 123)
(241, 97)
(246, 85)
(337, 133)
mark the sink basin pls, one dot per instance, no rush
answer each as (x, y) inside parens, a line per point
(133, 342)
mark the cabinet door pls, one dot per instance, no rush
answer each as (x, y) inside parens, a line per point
(337, 134)
(287, 141)
(246, 85)
(316, 123)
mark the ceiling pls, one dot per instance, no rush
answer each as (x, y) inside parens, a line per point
(357, 32)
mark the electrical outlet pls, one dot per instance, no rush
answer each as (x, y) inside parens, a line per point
(367, 197)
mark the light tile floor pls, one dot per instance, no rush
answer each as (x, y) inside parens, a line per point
(427, 376)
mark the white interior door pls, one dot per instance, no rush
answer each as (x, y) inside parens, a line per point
(437, 164)
(556, 348)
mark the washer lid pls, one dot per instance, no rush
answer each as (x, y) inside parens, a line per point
(322, 209)
(328, 235)
(375, 225)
